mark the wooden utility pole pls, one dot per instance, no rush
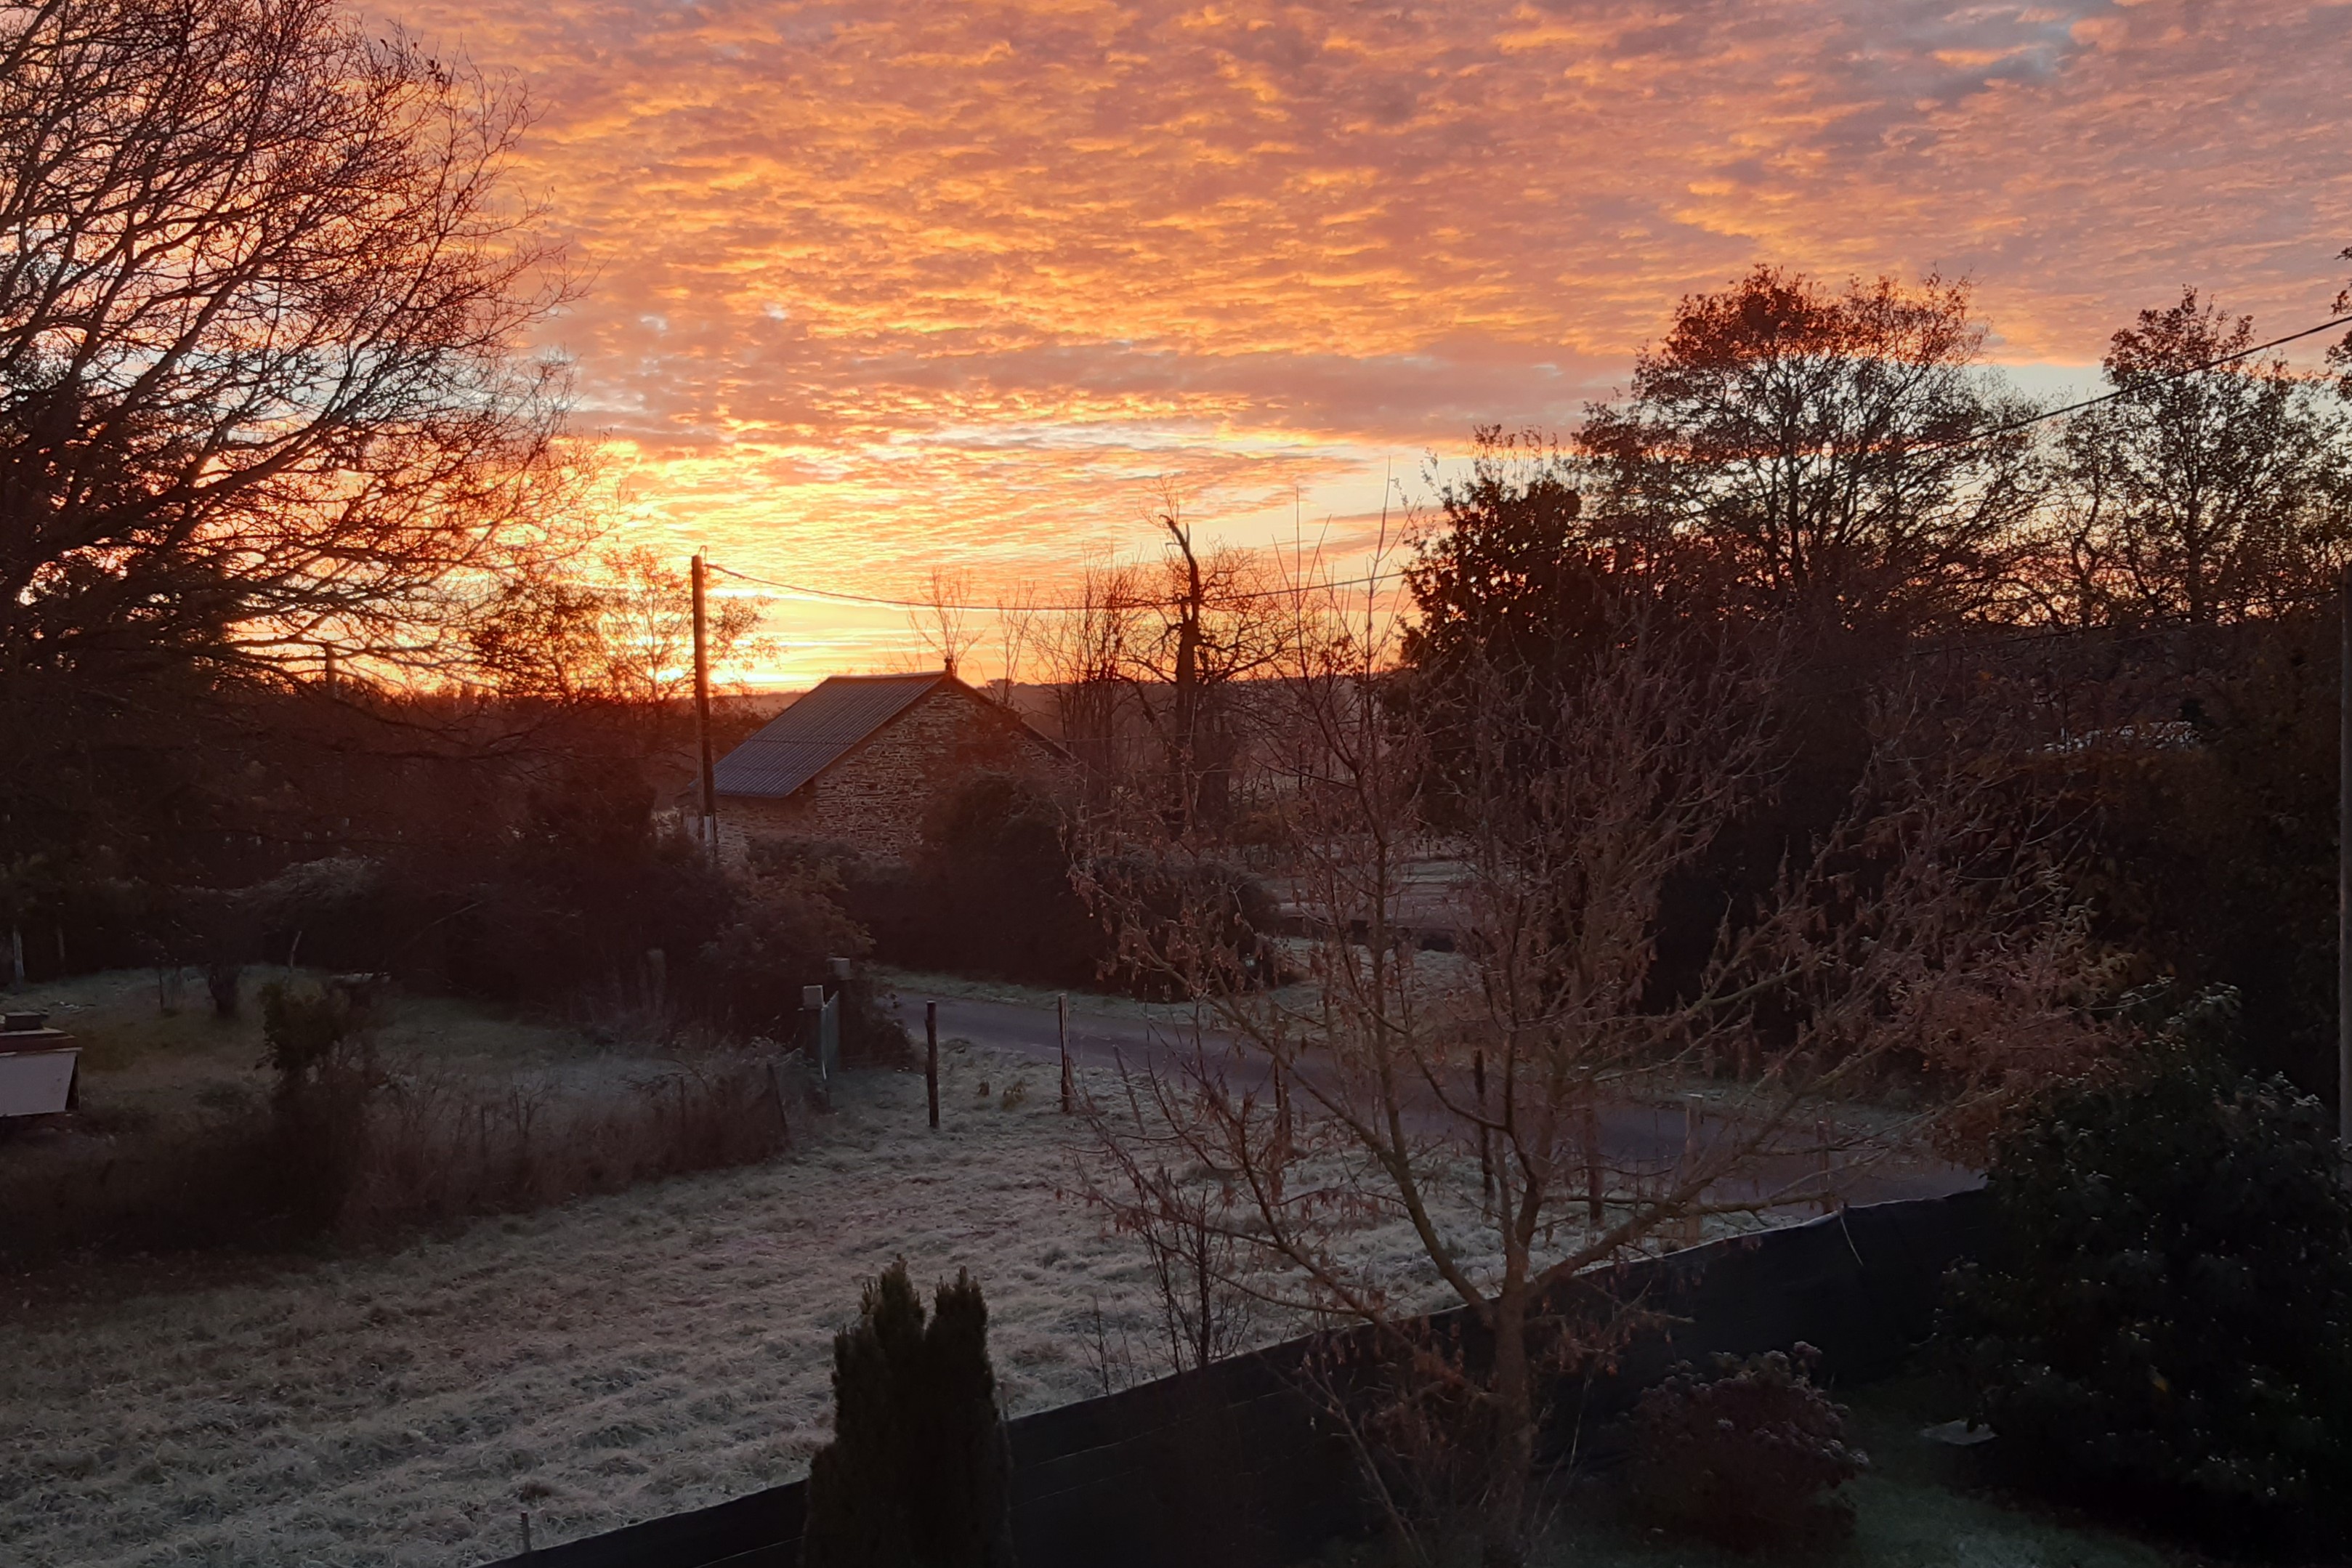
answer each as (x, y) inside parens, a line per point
(702, 718)
(2344, 878)
(1062, 1030)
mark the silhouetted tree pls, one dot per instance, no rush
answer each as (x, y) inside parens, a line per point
(261, 293)
(1515, 596)
(618, 629)
(1213, 624)
(1509, 574)
(2205, 492)
(1824, 443)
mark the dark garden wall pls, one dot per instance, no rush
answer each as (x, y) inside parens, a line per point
(1234, 1465)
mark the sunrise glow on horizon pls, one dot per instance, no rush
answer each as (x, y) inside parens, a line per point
(872, 287)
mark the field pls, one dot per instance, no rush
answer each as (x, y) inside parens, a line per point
(612, 1358)
(615, 1358)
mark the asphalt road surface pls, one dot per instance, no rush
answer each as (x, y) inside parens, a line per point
(1649, 1137)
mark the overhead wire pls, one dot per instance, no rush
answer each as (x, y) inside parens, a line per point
(1373, 579)
(2025, 421)
(1002, 608)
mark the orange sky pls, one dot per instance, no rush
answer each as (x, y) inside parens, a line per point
(879, 285)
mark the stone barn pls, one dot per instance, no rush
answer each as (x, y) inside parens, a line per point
(859, 760)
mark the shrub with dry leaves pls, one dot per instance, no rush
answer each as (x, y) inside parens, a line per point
(1748, 1459)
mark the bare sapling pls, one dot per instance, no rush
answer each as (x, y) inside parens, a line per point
(1084, 652)
(1191, 1235)
(1363, 1130)
(944, 622)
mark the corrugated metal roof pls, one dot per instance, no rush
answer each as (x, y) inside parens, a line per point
(808, 737)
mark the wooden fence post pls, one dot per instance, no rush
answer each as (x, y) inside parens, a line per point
(813, 1012)
(1062, 1027)
(1829, 1182)
(931, 1058)
(1594, 1208)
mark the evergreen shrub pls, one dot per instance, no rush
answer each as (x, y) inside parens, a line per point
(2167, 1313)
(918, 1474)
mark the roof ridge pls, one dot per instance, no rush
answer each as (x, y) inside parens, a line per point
(820, 727)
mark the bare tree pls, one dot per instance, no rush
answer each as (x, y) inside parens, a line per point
(1016, 635)
(620, 631)
(1217, 622)
(261, 297)
(944, 622)
(1084, 651)
(1188, 1228)
(1462, 1102)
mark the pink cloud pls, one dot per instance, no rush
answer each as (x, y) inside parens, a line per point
(954, 276)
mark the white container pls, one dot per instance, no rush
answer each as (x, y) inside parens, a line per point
(38, 1075)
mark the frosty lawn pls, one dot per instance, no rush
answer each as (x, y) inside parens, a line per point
(616, 1359)
(612, 1360)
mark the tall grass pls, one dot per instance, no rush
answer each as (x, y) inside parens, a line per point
(439, 1145)
(368, 1154)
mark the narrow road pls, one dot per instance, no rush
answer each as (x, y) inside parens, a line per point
(1633, 1135)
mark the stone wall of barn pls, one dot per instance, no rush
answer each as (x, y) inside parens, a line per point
(875, 797)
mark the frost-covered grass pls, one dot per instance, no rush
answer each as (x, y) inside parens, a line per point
(606, 1362)
(176, 1146)
(921, 983)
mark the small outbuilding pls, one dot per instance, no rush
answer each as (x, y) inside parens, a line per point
(860, 760)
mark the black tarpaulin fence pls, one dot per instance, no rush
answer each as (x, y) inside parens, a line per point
(1236, 1463)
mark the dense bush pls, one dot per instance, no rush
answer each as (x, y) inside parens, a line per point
(575, 895)
(989, 891)
(918, 1474)
(2216, 830)
(2168, 1310)
(317, 1044)
(1748, 1459)
(589, 903)
(782, 925)
(993, 890)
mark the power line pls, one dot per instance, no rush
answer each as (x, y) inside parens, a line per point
(2165, 380)
(839, 596)
(1693, 515)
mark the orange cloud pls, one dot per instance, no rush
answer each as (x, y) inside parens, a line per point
(880, 283)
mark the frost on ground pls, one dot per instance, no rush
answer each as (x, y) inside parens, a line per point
(613, 1359)
(609, 1360)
